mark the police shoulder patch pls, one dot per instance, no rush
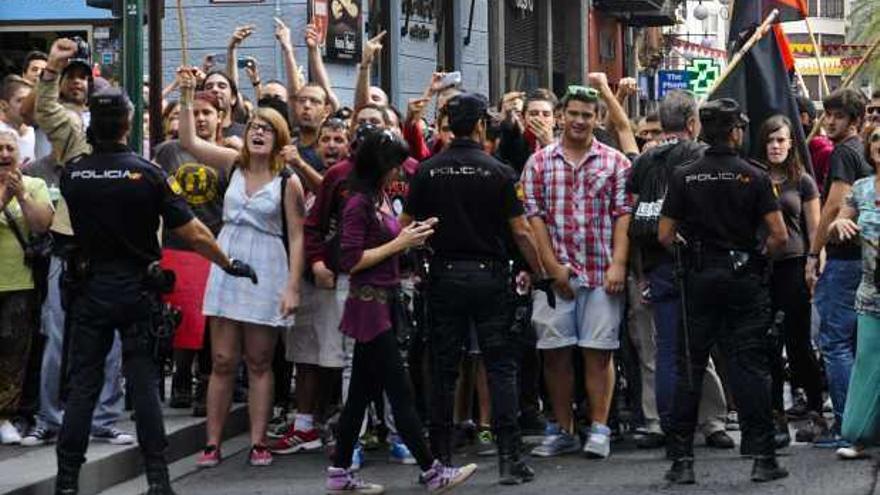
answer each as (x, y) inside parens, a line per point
(174, 185)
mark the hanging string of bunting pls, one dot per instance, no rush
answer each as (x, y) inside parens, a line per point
(830, 49)
(697, 50)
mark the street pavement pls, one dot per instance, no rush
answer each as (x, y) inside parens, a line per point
(629, 471)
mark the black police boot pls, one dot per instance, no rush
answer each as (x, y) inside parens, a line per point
(767, 469)
(67, 480)
(512, 470)
(158, 479)
(681, 472)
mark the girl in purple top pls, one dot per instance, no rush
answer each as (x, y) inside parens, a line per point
(371, 242)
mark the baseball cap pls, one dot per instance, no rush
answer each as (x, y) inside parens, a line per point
(467, 108)
(723, 111)
(109, 101)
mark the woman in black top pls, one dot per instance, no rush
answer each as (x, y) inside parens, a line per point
(799, 200)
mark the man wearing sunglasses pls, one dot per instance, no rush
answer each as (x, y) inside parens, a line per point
(713, 210)
(873, 109)
(577, 205)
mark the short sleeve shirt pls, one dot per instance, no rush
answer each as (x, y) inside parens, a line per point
(202, 187)
(116, 200)
(474, 197)
(14, 275)
(863, 197)
(846, 164)
(792, 197)
(720, 200)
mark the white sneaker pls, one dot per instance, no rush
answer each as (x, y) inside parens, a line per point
(9, 434)
(852, 453)
(598, 446)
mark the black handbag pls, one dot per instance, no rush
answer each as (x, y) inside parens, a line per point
(37, 254)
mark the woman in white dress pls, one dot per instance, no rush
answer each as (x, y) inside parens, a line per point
(245, 318)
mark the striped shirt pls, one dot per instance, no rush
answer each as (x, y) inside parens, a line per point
(579, 203)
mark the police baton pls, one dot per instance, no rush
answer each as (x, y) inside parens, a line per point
(680, 275)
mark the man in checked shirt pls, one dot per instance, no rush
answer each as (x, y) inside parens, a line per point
(579, 211)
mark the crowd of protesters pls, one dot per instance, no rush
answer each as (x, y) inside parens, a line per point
(313, 195)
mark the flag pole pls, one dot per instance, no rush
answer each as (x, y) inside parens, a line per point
(818, 54)
(738, 56)
(181, 22)
(846, 82)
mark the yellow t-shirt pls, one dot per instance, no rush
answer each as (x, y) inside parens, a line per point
(14, 275)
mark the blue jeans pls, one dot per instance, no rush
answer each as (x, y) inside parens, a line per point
(666, 304)
(835, 300)
(110, 403)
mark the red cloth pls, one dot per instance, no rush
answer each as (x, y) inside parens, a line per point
(820, 151)
(414, 137)
(191, 272)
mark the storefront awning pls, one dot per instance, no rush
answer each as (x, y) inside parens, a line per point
(42, 11)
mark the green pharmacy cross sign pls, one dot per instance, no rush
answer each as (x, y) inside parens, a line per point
(702, 74)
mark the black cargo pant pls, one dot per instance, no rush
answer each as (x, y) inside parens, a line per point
(460, 292)
(732, 310)
(111, 298)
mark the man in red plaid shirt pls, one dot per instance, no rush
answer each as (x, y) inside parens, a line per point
(576, 202)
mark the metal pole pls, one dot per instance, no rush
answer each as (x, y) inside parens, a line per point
(156, 85)
(133, 67)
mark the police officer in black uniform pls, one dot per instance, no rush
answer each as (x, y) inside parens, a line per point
(712, 213)
(116, 200)
(474, 197)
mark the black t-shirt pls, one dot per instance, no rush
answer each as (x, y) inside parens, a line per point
(310, 155)
(720, 200)
(650, 176)
(115, 200)
(846, 164)
(792, 196)
(203, 188)
(236, 129)
(472, 194)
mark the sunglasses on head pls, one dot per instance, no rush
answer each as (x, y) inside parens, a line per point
(872, 109)
(582, 91)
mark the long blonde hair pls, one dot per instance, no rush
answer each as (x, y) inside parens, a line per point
(282, 138)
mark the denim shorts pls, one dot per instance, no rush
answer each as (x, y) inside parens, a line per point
(590, 320)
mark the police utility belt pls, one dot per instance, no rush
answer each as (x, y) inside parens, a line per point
(700, 257)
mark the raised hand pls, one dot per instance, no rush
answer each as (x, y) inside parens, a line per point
(241, 33)
(62, 51)
(282, 33)
(372, 48)
(313, 36)
(415, 108)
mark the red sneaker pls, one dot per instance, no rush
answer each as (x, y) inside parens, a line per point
(297, 441)
(260, 456)
(209, 457)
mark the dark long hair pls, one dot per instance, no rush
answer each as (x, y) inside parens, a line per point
(380, 152)
(793, 165)
(239, 113)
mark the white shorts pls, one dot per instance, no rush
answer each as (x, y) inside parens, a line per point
(590, 320)
(315, 337)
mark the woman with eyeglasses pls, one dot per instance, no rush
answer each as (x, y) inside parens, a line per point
(371, 244)
(799, 199)
(245, 318)
(860, 216)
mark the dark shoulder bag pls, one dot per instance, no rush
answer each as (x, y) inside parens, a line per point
(37, 253)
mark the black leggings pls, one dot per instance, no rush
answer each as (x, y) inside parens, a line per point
(790, 295)
(377, 366)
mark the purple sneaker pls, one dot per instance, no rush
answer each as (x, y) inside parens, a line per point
(343, 481)
(440, 478)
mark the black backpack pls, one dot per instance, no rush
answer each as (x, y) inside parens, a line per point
(656, 168)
